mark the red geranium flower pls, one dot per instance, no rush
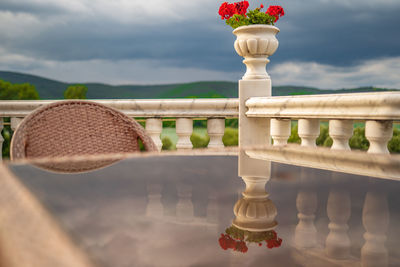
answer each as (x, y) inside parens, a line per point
(241, 7)
(227, 10)
(275, 11)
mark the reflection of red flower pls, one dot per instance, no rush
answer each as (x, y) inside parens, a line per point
(275, 11)
(236, 239)
(227, 242)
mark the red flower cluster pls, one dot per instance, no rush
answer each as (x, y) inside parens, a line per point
(227, 10)
(275, 11)
(227, 242)
(274, 241)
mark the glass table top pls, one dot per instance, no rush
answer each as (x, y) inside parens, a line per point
(191, 211)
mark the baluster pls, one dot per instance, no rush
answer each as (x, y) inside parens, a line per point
(280, 131)
(375, 218)
(337, 243)
(15, 122)
(308, 131)
(1, 139)
(378, 134)
(216, 129)
(184, 129)
(340, 131)
(305, 235)
(184, 207)
(154, 206)
(154, 129)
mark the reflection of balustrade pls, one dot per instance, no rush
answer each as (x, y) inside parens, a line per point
(337, 244)
(305, 235)
(154, 206)
(184, 207)
(375, 218)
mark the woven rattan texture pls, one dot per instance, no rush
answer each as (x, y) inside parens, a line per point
(69, 128)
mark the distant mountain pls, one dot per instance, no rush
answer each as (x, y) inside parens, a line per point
(52, 89)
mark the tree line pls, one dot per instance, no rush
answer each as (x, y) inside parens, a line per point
(26, 91)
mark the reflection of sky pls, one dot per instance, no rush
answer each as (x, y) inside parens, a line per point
(105, 211)
(328, 44)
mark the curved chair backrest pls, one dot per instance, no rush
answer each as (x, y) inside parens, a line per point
(76, 127)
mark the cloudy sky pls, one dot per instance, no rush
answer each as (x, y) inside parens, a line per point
(323, 43)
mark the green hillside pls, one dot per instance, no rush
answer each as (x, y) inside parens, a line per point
(51, 89)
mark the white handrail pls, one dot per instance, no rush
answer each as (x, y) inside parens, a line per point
(366, 106)
(160, 108)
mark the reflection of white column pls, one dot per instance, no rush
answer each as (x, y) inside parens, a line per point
(337, 244)
(154, 206)
(375, 219)
(305, 235)
(212, 207)
(184, 208)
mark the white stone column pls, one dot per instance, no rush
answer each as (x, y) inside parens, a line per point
(378, 134)
(1, 139)
(184, 129)
(337, 244)
(375, 218)
(280, 131)
(340, 131)
(216, 130)
(154, 207)
(253, 131)
(308, 130)
(305, 234)
(15, 122)
(154, 129)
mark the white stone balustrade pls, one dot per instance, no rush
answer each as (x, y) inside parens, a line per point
(308, 130)
(379, 110)
(378, 134)
(154, 129)
(15, 122)
(184, 129)
(216, 130)
(280, 131)
(341, 131)
(153, 110)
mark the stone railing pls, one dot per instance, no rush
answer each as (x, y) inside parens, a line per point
(377, 110)
(153, 111)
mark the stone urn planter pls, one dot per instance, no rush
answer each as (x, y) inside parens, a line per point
(256, 43)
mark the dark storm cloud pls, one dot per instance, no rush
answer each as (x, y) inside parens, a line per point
(325, 32)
